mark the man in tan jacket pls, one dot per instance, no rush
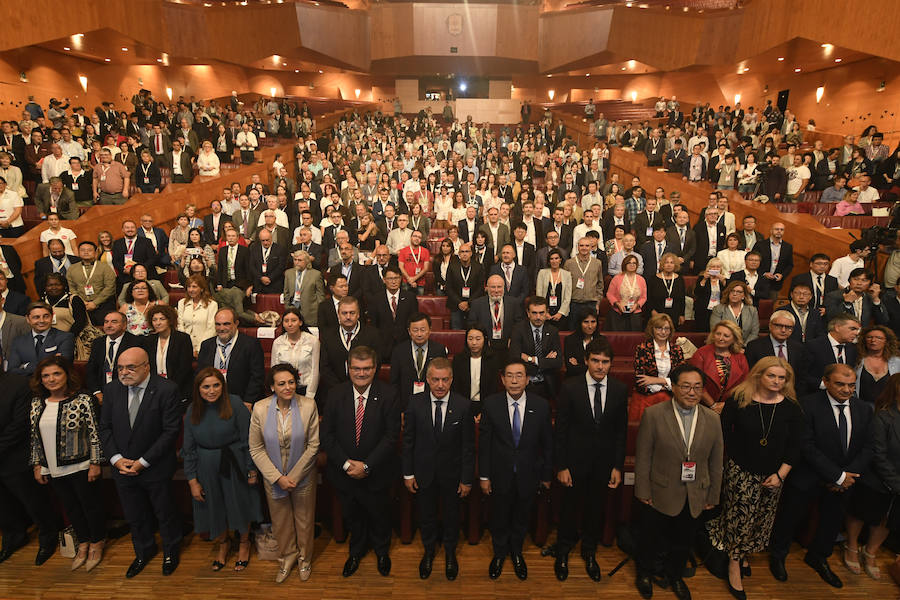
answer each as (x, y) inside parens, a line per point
(94, 281)
(678, 475)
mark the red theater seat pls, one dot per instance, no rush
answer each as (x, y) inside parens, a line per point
(175, 295)
(857, 222)
(435, 306)
(455, 341)
(266, 302)
(266, 343)
(823, 209)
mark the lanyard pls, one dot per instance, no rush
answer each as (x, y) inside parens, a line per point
(416, 257)
(265, 254)
(87, 277)
(690, 439)
(669, 284)
(586, 267)
(465, 276)
(54, 305)
(146, 169)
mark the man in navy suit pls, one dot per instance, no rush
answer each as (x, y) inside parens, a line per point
(410, 358)
(536, 343)
(707, 247)
(42, 341)
(835, 450)
(131, 249)
(390, 309)
(862, 298)
(469, 226)
(839, 346)
(14, 302)
(809, 324)
(139, 426)
(590, 436)
(777, 258)
(653, 249)
(158, 238)
(214, 224)
(515, 277)
(238, 356)
(817, 279)
(105, 351)
(57, 262)
(514, 460)
(439, 461)
(497, 313)
(780, 343)
(359, 432)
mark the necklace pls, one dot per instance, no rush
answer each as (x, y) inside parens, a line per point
(764, 440)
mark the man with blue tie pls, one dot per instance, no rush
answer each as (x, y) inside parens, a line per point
(515, 277)
(43, 340)
(514, 461)
(236, 355)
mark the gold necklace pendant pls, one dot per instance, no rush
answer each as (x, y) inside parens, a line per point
(763, 442)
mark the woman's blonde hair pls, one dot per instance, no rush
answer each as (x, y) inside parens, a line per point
(731, 326)
(748, 296)
(747, 389)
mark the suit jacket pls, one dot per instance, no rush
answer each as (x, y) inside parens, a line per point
(796, 356)
(463, 228)
(815, 326)
(824, 459)
(760, 290)
(673, 243)
(462, 376)
(237, 217)
(834, 306)
(391, 329)
(187, 168)
(312, 293)
(212, 236)
(13, 326)
(43, 267)
(586, 446)
(742, 240)
(502, 236)
(65, 204)
(648, 254)
(162, 244)
(377, 442)
(15, 431)
(785, 261)
(456, 282)
(511, 312)
(447, 457)
(500, 460)
(522, 342)
(274, 268)
(642, 223)
(154, 434)
(702, 244)
(373, 281)
(705, 358)
(521, 282)
(9, 254)
(565, 235)
(821, 354)
(22, 359)
(95, 371)
(355, 281)
(403, 368)
(333, 353)
(331, 231)
(242, 273)
(246, 367)
(16, 303)
(660, 451)
(829, 282)
(179, 367)
(142, 252)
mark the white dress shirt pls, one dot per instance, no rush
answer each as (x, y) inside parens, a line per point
(365, 402)
(592, 391)
(837, 419)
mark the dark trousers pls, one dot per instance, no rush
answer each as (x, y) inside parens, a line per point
(672, 536)
(179, 178)
(22, 497)
(247, 157)
(545, 388)
(83, 504)
(589, 493)
(793, 513)
(141, 500)
(510, 512)
(368, 517)
(428, 499)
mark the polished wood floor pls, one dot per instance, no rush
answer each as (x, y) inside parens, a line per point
(19, 578)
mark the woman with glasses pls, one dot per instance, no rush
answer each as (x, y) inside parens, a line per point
(654, 359)
(737, 306)
(762, 425)
(878, 358)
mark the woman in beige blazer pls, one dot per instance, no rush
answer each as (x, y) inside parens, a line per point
(284, 442)
(555, 284)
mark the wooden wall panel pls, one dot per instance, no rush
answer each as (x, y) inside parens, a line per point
(517, 29)
(335, 32)
(391, 26)
(432, 34)
(568, 36)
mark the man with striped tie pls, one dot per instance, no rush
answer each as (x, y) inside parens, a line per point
(359, 432)
(838, 346)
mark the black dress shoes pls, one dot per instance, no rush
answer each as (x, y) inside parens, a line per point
(351, 566)
(496, 567)
(452, 567)
(680, 589)
(425, 566)
(136, 566)
(644, 585)
(592, 568)
(736, 593)
(519, 566)
(44, 553)
(776, 566)
(561, 567)
(821, 567)
(170, 563)
(10, 546)
(384, 565)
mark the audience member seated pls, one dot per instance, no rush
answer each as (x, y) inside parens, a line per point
(723, 363)
(58, 261)
(849, 205)
(69, 313)
(14, 302)
(11, 223)
(41, 341)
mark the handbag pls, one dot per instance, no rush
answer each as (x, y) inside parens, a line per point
(68, 543)
(266, 544)
(85, 341)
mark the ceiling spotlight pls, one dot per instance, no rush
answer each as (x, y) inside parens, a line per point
(124, 49)
(587, 74)
(320, 71)
(107, 59)
(685, 9)
(623, 68)
(158, 60)
(284, 64)
(66, 48)
(827, 46)
(780, 58)
(838, 59)
(797, 70)
(462, 86)
(80, 35)
(296, 70)
(628, 4)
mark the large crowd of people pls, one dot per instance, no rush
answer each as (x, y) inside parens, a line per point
(538, 250)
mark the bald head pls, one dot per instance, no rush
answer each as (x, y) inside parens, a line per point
(134, 366)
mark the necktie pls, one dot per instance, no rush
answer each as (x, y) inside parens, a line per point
(360, 411)
(111, 355)
(538, 351)
(134, 403)
(681, 236)
(438, 418)
(497, 314)
(516, 425)
(842, 428)
(244, 222)
(420, 358)
(819, 292)
(598, 402)
(840, 356)
(349, 336)
(780, 350)
(394, 306)
(659, 250)
(38, 347)
(508, 269)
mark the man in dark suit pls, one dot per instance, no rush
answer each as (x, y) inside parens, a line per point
(612, 217)
(562, 230)
(777, 258)
(158, 238)
(809, 323)
(748, 237)
(349, 268)
(861, 298)
(514, 460)
(214, 224)
(536, 343)
(180, 161)
(837, 347)
(516, 281)
(129, 250)
(21, 498)
(41, 341)
(390, 310)
(706, 245)
(245, 218)
(836, 450)
(524, 253)
(653, 249)
(780, 343)
(647, 220)
(817, 279)
(268, 262)
(468, 226)
(139, 427)
(373, 276)
(465, 283)
(589, 453)
(410, 358)
(11, 262)
(57, 262)
(497, 313)
(105, 351)
(359, 432)
(238, 356)
(233, 265)
(14, 302)
(336, 342)
(439, 462)
(682, 240)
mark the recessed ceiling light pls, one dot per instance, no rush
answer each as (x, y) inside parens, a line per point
(549, 74)
(587, 74)
(797, 70)
(780, 58)
(284, 64)
(124, 49)
(158, 60)
(296, 70)
(320, 71)
(623, 68)
(66, 48)
(838, 59)
(81, 35)
(685, 9)
(107, 59)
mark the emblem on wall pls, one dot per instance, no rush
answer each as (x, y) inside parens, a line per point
(455, 24)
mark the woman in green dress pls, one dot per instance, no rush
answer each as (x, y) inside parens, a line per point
(218, 467)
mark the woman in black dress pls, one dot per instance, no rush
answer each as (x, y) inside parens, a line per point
(762, 425)
(573, 347)
(665, 290)
(477, 356)
(878, 357)
(440, 264)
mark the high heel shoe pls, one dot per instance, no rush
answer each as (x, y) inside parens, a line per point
(745, 570)
(219, 563)
(852, 565)
(240, 565)
(870, 565)
(80, 558)
(739, 594)
(95, 555)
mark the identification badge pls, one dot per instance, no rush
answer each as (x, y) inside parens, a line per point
(498, 334)
(554, 302)
(129, 256)
(688, 471)
(649, 231)
(418, 387)
(224, 372)
(146, 180)
(264, 267)
(629, 307)
(88, 290)
(297, 297)
(466, 292)
(103, 178)
(580, 283)
(669, 302)
(74, 186)
(108, 376)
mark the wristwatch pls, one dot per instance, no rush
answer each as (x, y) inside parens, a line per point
(366, 468)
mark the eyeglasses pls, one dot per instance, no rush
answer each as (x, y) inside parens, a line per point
(781, 325)
(130, 368)
(686, 387)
